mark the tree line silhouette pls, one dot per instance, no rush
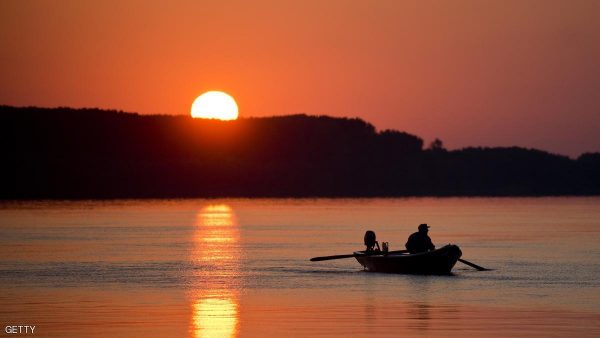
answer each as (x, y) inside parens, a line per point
(65, 153)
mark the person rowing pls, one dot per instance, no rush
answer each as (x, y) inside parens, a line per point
(419, 241)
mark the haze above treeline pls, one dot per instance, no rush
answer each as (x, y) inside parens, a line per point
(64, 153)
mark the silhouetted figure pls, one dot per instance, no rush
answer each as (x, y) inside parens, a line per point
(420, 241)
(371, 241)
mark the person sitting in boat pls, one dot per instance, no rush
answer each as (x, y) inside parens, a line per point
(420, 241)
(371, 241)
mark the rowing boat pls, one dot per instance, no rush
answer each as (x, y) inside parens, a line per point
(436, 262)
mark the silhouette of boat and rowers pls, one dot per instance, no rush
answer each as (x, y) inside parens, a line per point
(421, 257)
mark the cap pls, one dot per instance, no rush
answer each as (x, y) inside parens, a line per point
(423, 226)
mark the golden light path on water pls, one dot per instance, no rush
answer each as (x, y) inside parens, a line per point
(215, 306)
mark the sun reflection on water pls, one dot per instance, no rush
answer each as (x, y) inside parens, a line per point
(215, 317)
(216, 255)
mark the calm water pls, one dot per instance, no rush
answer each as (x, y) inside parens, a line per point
(240, 268)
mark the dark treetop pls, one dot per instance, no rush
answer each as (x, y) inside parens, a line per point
(91, 153)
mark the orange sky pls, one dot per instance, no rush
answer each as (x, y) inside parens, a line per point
(490, 73)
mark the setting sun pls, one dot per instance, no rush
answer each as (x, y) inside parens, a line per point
(215, 105)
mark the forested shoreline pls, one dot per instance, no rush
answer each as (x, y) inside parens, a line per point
(64, 153)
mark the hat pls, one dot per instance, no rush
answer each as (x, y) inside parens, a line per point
(423, 226)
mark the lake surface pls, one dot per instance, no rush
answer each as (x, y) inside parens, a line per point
(240, 268)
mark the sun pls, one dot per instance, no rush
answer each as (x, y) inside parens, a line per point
(215, 105)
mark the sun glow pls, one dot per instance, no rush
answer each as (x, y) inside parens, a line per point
(215, 105)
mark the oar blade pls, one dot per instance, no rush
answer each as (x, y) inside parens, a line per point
(326, 258)
(473, 265)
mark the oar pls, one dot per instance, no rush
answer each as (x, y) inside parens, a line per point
(326, 258)
(480, 268)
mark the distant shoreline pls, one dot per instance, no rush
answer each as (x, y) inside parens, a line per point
(93, 154)
(149, 199)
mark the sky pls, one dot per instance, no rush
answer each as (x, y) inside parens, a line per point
(471, 73)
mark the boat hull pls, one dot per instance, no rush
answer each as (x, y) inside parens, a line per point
(436, 262)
